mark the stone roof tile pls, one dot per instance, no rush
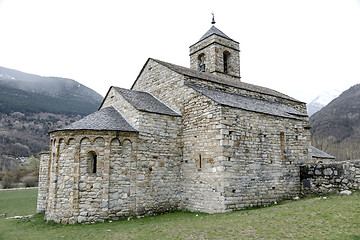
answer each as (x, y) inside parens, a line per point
(221, 80)
(317, 153)
(144, 101)
(105, 119)
(248, 103)
(214, 30)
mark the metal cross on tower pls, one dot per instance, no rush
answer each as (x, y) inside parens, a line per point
(213, 19)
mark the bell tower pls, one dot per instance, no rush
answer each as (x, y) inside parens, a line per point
(216, 53)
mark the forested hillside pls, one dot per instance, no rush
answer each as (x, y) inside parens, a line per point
(336, 128)
(16, 100)
(31, 106)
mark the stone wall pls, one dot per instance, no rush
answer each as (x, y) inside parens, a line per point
(159, 154)
(321, 178)
(229, 144)
(201, 169)
(76, 193)
(201, 166)
(135, 176)
(261, 157)
(164, 84)
(114, 98)
(42, 188)
(159, 157)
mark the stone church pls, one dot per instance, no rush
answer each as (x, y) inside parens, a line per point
(196, 139)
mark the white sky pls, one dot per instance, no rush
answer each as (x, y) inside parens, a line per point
(298, 47)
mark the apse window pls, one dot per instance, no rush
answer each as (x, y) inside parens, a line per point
(92, 162)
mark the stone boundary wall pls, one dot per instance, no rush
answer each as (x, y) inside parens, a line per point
(13, 189)
(320, 178)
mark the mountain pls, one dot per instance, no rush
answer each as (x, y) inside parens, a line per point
(29, 93)
(336, 127)
(31, 106)
(321, 101)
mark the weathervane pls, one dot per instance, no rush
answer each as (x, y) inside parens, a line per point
(213, 18)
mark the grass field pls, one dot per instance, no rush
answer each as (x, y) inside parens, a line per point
(18, 202)
(336, 217)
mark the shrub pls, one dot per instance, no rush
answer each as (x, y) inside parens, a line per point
(20, 173)
(8, 180)
(30, 181)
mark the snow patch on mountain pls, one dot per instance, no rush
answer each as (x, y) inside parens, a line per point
(322, 100)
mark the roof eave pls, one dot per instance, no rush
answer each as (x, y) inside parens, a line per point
(88, 129)
(105, 98)
(141, 71)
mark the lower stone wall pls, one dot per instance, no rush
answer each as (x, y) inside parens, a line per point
(82, 182)
(320, 178)
(201, 170)
(158, 158)
(42, 188)
(261, 157)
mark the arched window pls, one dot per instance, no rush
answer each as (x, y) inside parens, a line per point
(226, 56)
(201, 61)
(92, 162)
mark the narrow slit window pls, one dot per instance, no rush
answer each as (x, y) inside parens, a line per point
(93, 162)
(282, 145)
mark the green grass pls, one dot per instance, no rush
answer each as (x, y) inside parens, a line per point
(337, 217)
(18, 202)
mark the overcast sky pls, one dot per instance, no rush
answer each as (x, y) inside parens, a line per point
(297, 47)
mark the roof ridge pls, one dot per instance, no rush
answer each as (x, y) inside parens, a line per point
(164, 103)
(221, 80)
(214, 30)
(125, 118)
(107, 118)
(141, 102)
(248, 103)
(318, 153)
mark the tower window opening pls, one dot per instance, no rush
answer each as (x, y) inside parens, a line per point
(92, 162)
(226, 56)
(201, 60)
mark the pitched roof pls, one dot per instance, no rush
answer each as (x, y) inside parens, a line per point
(248, 103)
(221, 80)
(214, 30)
(317, 153)
(105, 119)
(144, 101)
